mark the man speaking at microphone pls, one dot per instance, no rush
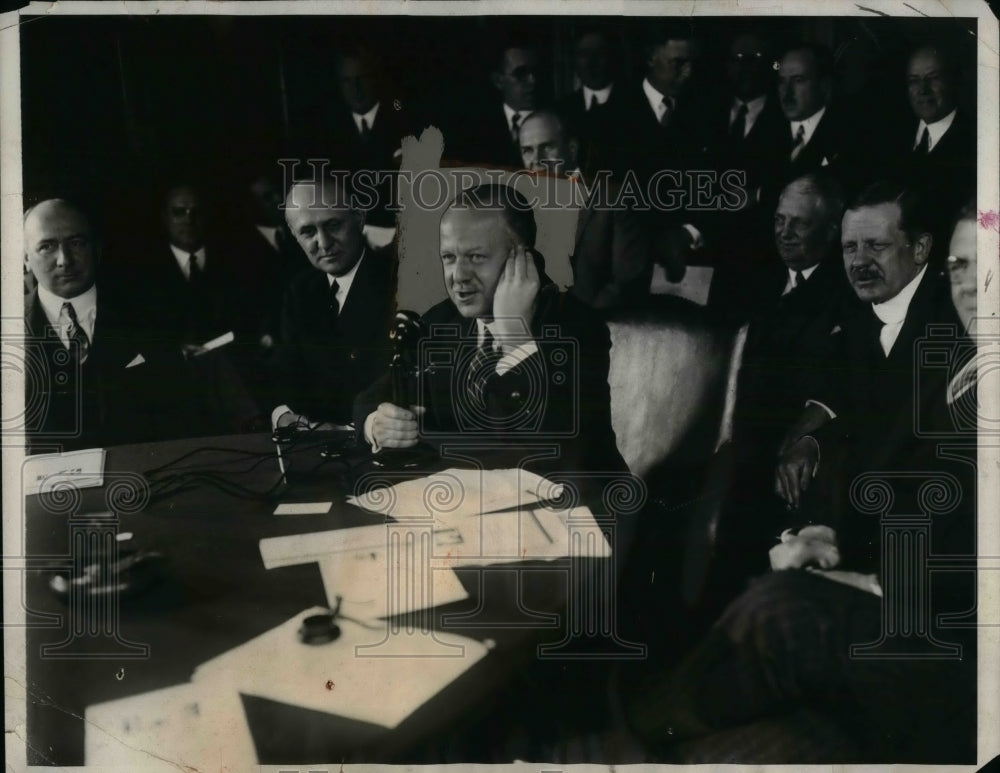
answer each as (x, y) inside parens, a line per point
(507, 361)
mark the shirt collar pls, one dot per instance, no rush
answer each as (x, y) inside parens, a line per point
(369, 117)
(810, 125)
(481, 327)
(754, 108)
(344, 281)
(893, 311)
(806, 273)
(84, 304)
(935, 130)
(511, 112)
(183, 256)
(602, 95)
(655, 97)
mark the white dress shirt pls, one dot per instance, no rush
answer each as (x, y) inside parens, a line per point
(602, 96)
(754, 108)
(790, 284)
(84, 305)
(183, 259)
(935, 131)
(655, 99)
(270, 235)
(368, 117)
(510, 112)
(809, 125)
(892, 312)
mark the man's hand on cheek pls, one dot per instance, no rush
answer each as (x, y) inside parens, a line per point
(514, 300)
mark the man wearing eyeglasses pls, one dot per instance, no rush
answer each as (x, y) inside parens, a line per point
(812, 664)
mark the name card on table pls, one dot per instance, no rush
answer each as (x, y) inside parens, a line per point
(49, 473)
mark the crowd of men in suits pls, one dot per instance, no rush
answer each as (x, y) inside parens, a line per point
(839, 258)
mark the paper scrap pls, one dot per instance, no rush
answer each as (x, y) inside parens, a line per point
(215, 343)
(454, 493)
(303, 508)
(187, 727)
(48, 473)
(307, 548)
(368, 674)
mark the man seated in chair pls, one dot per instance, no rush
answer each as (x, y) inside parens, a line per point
(526, 363)
(776, 679)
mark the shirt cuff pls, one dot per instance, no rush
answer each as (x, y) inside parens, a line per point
(696, 241)
(825, 407)
(277, 413)
(515, 357)
(370, 433)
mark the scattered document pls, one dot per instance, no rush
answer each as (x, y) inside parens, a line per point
(215, 343)
(186, 727)
(369, 674)
(48, 473)
(303, 508)
(456, 492)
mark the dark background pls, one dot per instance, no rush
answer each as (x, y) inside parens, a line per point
(112, 105)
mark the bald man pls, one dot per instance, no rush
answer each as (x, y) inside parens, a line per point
(335, 319)
(96, 386)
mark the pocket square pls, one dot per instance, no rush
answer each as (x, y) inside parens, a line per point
(137, 360)
(825, 162)
(836, 329)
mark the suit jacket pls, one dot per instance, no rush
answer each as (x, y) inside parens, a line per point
(611, 261)
(323, 366)
(558, 396)
(883, 404)
(788, 343)
(102, 402)
(597, 129)
(760, 151)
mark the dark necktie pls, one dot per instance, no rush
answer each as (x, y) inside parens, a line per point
(593, 102)
(799, 141)
(515, 125)
(334, 308)
(739, 127)
(194, 272)
(924, 146)
(483, 362)
(365, 129)
(76, 333)
(668, 110)
(799, 280)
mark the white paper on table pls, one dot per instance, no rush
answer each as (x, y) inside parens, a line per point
(455, 492)
(303, 508)
(524, 535)
(363, 582)
(75, 469)
(306, 548)
(382, 686)
(215, 343)
(187, 726)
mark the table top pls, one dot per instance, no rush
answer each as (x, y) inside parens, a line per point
(202, 504)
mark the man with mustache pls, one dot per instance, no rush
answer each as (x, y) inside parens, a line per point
(335, 320)
(775, 679)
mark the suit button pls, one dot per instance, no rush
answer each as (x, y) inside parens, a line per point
(515, 396)
(354, 355)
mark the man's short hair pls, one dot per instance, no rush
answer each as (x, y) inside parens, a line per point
(913, 216)
(825, 187)
(516, 210)
(341, 184)
(66, 203)
(661, 34)
(822, 56)
(967, 212)
(946, 53)
(511, 40)
(566, 127)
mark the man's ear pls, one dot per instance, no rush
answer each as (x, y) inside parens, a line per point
(497, 80)
(922, 248)
(360, 215)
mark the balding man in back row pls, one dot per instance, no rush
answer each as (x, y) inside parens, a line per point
(99, 376)
(335, 320)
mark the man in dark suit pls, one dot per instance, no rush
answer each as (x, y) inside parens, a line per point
(936, 150)
(594, 108)
(513, 379)
(98, 372)
(611, 258)
(792, 305)
(491, 139)
(664, 131)
(784, 646)
(335, 321)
